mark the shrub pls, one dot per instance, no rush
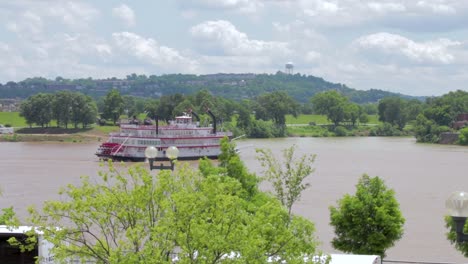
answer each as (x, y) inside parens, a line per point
(386, 130)
(463, 137)
(341, 131)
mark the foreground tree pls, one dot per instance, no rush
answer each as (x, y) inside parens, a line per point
(462, 247)
(368, 222)
(197, 217)
(287, 177)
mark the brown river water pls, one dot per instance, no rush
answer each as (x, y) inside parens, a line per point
(422, 176)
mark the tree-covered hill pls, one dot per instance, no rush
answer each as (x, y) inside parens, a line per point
(231, 86)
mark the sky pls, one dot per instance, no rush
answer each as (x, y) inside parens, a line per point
(414, 47)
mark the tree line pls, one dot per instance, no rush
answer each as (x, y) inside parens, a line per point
(261, 117)
(66, 108)
(231, 86)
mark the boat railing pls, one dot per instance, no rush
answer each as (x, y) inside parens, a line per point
(170, 136)
(120, 146)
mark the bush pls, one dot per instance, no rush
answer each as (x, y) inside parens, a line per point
(260, 129)
(385, 130)
(341, 131)
(427, 130)
(463, 137)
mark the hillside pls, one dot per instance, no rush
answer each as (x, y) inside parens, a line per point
(232, 86)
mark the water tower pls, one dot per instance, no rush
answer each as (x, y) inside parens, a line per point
(289, 68)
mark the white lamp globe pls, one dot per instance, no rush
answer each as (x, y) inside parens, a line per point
(172, 152)
(457, 204)
(151, 152)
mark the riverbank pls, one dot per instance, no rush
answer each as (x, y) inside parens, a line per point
(86, 135)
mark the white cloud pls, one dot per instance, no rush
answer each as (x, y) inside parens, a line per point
(221, 35)
(437, 51)
(437, 7)
(382, 7)
(243, 6)
(148, 50)
(76, 15)
(321, 7)
(126, 14)
(312, 56)
(29, 23)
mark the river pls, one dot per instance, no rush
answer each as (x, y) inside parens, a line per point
(422, 176)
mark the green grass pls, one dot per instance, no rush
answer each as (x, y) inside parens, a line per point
(308, 131)
(306, 119)
(13, 119)
(374, 119)
(106, 129)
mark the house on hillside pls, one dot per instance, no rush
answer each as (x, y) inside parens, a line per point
(461, 121)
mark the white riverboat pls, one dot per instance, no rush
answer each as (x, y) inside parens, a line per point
(192, 140)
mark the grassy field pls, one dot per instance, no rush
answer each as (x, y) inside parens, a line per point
(12, 119)
(306, 119)
(24, 133)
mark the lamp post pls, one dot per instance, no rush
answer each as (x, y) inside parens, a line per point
(457, 205)
(151, 153)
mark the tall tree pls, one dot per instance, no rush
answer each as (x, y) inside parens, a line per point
(37, 109)
(368, 222)
(392, 110)
(167, 104)
(62, 107)
(84, 110)
(288, 176)
(277, 105)
(113, 105)
(332, 104)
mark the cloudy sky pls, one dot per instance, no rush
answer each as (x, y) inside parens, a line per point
(416, 47)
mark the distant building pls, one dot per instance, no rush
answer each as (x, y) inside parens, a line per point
(9, 105)
(461, 121)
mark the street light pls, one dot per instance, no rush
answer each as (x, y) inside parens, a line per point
(457, 205)
(151, 153)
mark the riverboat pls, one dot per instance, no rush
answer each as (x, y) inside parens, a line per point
(193, 140)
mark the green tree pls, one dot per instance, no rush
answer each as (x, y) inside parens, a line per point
(463, 137)
(368, 222)
(167, 104)
(332, 104)
(27, 112)
(352, 112)
(244, 117)
(452, 235)
(275, 106)
(288, 176)
(84, 110)
(363, 118)
(392, 110)
(37, 109)
(427, 130)
(113, 106)
(129, 105)
(134, 217)
(62, 106)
